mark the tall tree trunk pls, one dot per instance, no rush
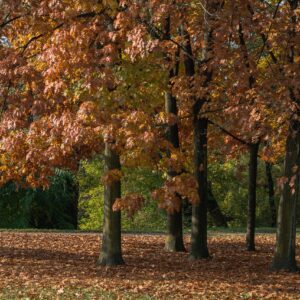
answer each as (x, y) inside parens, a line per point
(174, 240)
(111, 253)
(214, 210)
(284, 256)
(199, 211)
(250, 236)
(199, 247)
(285, 250)
(271, 193)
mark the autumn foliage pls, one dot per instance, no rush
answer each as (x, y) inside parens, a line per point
(75, 73)
(79, 76)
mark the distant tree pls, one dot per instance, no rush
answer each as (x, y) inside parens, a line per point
(271, 193)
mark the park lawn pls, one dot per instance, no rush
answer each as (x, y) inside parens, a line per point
(57, 265)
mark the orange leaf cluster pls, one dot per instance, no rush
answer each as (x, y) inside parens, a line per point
(130, 203)
(170, 195)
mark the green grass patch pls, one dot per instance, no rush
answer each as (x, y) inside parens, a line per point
(211, 230)
(65, 293)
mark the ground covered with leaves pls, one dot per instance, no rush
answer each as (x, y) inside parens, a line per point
(63, 266)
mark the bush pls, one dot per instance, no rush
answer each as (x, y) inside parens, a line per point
(55, 207)
(142, 181)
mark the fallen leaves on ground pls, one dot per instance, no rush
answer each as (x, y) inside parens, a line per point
(66, 264)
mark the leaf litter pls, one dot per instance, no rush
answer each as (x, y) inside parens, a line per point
(63, 266)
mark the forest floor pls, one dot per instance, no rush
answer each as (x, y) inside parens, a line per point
(35, 265)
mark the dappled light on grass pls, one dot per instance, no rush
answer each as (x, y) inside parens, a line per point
(65, 264)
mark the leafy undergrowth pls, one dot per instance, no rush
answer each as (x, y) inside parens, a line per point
(63, 266)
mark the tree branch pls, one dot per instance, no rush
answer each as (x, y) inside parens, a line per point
(267, 36)
(2, 25)
(24, 47)
(229, 133)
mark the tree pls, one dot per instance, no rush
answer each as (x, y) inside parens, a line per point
(76, 75)
(61, 120)
(249, 85)
(284, 255)
(145, 33)
(252, 197)
(174, 240)
(199, 247)
(271, 193)
(111, 253)
(56, 207)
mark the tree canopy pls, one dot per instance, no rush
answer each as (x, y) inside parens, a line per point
(78, 78)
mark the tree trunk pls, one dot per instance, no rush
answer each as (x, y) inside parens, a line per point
(199, 247)
(174, 240)
(214, 210)
(285, 250)
(271, 193)
(284, 256)
(111, 253)
(250, 236)
(199, 211)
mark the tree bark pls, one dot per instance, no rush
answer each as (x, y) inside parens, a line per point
(271, 193)
(250, 236)
(199, 247)
(174, 240)
(285, 250)
(111, 253)
(284, 256)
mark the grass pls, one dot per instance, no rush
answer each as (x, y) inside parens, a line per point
(211, 230)
(66, 293)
